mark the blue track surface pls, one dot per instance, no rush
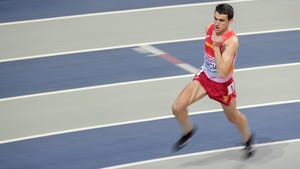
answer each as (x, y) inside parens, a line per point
(120, 65)
(147, 140)
(17, 10)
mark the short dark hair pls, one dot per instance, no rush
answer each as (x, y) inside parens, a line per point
(225, 9)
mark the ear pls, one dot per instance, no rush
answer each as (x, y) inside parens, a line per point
(230, 21)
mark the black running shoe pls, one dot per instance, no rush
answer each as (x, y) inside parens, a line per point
(182, 142)
(249, 149)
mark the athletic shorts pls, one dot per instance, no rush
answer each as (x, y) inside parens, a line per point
(221, 92)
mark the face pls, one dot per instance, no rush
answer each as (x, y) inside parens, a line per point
(221, 23)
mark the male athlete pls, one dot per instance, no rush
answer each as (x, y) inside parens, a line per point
(215, 79)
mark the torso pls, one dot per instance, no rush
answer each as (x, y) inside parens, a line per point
(209, 66)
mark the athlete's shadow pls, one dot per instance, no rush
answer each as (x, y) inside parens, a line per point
(263, 155)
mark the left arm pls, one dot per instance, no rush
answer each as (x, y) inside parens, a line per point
(224, 61)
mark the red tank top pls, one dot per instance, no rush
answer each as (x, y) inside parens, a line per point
(209, 66)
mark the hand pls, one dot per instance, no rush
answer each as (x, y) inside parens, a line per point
(217, 39)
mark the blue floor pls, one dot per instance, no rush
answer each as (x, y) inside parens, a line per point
(96, 148)
(17, 10)
(120, 65)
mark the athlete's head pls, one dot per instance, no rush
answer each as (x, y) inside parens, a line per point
(223, 16)
(225, 9)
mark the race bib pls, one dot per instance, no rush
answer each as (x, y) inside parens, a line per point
(230, 88)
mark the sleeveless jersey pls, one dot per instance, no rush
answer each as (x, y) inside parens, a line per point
(209, 65)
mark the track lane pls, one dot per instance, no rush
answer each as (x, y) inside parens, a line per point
(113, 66)
(15, 10)
(73, 35)
(92, 148)
(115, 104)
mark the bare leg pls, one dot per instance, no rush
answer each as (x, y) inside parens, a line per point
(191, 93)
(238, 119)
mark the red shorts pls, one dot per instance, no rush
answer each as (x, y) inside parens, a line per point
(221, 92)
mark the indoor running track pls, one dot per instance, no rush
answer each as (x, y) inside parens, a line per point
(44, 126)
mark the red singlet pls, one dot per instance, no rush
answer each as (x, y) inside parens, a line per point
(217, 88)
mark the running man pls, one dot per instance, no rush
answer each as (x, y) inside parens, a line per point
(215, 79)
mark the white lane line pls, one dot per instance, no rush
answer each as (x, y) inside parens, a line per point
(189, 68)
(198, 154)
(267, 67)
(139, 44)
(121, 12)
(137, 82)
(143, 120)
(179, 63)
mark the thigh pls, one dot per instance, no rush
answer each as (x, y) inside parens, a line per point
(191, 93)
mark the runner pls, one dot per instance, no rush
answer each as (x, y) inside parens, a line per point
(215, 79)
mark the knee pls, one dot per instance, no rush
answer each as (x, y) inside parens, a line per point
(177, 108)
(234, 118)
(237, 119)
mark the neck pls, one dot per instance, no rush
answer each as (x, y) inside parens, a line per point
(223, 32)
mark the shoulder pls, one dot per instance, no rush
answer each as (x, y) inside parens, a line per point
(233, 39)
(231, 44)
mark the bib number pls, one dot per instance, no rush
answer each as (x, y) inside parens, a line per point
(230, 88)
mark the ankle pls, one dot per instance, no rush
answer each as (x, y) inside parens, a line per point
(188, 128)
(249, 141)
